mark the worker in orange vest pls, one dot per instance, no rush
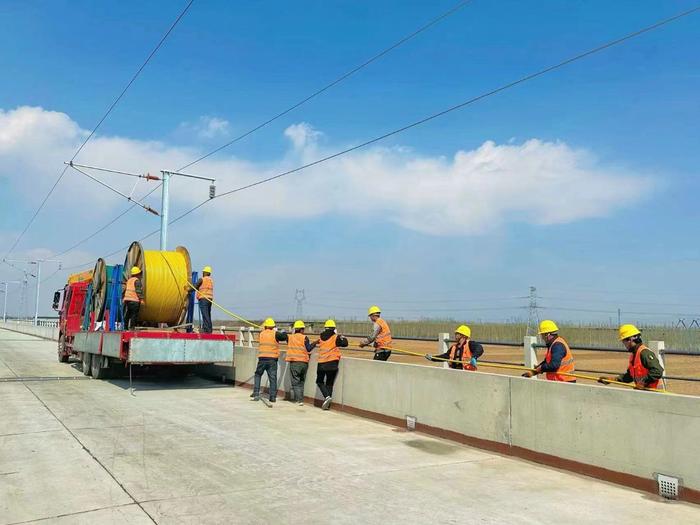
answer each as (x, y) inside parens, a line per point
(329, 344)
(268, 354)
(558, 359)
(380, 337)
(205, 296)
(644, 369)
(298, 350)
(463, 354)
(133, 298)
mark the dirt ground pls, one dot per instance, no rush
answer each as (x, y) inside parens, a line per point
(601, 361)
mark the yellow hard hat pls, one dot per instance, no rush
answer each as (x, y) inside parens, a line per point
(373, 310)
(548, 327)
(628, 330)
(269, 323)
(329, 324)
(299, 324)
(135, 270)
(464, 330)
(207, 269)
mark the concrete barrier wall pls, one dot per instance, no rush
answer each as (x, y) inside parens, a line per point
(636, 434)
(44, 332)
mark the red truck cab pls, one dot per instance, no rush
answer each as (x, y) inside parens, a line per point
(70, 319)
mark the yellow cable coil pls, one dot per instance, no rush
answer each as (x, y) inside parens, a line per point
(165, 277)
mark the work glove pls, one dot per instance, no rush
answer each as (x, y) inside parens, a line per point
(472, 362)
(604, 380)
(362, 345)
(528, 374)
(429, 357)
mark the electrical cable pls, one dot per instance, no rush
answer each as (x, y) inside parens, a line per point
(303, 101)
(338, 80)
(94, 130)
(450, 109)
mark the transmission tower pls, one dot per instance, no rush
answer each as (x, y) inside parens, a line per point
(533, 317)
(300, 297)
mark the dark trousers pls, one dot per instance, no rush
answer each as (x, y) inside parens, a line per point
(298, 370)
(131, 314)
(205, 313)
(325, 377)
(382, 355)
(269, 365)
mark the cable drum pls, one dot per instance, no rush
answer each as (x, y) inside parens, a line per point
(101, 278)
(165, 276)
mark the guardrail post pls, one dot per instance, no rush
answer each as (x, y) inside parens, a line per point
(529, 351)
(443, 346)
(658, 348)
(250, 337)
(241, 341)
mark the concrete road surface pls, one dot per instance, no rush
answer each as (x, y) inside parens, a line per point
(194, 451)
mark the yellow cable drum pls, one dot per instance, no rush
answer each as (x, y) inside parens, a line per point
(164, 278)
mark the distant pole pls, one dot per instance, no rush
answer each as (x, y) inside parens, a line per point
(38, 288)
(164, 210)
(4, 310)
(300, 297)
(619, 317)
(533, 315)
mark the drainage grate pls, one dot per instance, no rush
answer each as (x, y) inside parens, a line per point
(411, 422)
(668, 486)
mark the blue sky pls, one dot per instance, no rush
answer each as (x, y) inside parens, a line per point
(626, 118)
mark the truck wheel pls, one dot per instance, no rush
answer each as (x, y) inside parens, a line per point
(62, 355)
(96, 367)
(87, 364)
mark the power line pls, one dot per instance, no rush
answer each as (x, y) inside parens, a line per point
(303, 101)
(461, 105)
(94, 130)
(338, 80)
(450, 109)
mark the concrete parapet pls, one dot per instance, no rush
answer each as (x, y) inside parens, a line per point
(45, 332)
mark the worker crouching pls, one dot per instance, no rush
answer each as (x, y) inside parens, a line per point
(644, 369)
(298, 349)
(380, 337)
(558, 363)
(463, 354)
(133, 298)
(268, 354)
(329, 344)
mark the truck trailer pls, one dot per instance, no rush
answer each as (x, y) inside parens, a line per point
(91, 328)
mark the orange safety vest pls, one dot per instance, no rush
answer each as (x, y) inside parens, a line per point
(328, 351)
(383, 339)
(130, 295)
(268, 345)
(296, 349)
(567, 363)
(465, 358)
(206, 289)
(638, 371)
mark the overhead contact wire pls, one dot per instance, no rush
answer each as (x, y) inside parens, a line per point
(303, 101)
(94, 130)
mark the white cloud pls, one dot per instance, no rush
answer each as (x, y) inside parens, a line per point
(207, 128)
(472, 192)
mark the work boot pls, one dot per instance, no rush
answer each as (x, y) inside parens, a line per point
(273, 400)
(253, 395)
(255, 398)
(300, 403)
(326, 403)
